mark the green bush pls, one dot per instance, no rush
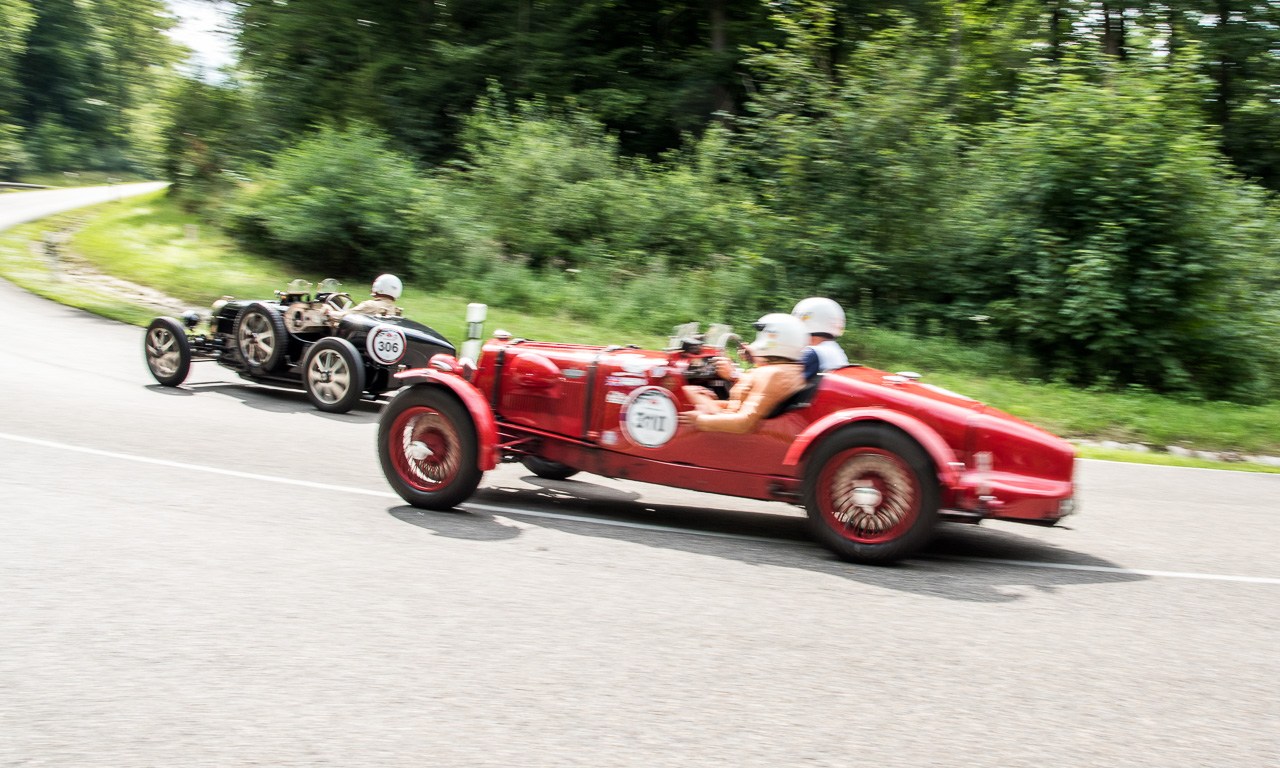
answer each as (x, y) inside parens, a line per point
(1103, 231)
(50, 146)
(556, 190)
(338, 202)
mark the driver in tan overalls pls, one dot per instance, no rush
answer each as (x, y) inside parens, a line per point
(386, 289)
(780, 341)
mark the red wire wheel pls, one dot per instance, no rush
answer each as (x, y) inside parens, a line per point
(427, 445)
(427, 450)
(871, 493)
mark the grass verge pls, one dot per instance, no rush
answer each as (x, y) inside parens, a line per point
(1169, 460)
(144, 240)
(82, 178)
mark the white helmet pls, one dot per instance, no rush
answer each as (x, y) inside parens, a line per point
(389, 285)
(779, 335)
(821, 316)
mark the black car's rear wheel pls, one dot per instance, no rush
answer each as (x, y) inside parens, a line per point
(428, 447)
(167, 351)
(333, 375)
(871, 493)
(261, 338)
(551, 470)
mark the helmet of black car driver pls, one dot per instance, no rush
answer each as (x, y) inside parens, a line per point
(388, 285)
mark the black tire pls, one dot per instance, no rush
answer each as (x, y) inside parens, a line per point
(431, 416)
(886, 460)
(260, 338)
(333, 375)
(167, 351)
(551, 470)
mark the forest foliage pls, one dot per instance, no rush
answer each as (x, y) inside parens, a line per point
(1089, 184)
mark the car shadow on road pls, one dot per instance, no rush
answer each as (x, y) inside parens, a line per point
(943, 570)
(273, 400)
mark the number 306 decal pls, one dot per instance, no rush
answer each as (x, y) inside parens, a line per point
(386, 344)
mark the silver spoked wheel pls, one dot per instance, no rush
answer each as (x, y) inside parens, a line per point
(163, 353)
(328, 376)
(256, 338)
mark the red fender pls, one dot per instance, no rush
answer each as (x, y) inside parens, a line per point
(941, 453)
(476, 404)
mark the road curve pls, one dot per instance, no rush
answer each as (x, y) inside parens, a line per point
(219, 576)
(20, 207)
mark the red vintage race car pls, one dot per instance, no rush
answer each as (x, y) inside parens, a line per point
(876, 459)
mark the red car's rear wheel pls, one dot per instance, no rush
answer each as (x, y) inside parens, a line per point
(871, 494)
(427, 445)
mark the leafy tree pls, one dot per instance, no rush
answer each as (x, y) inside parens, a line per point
(77, 71)
(855, 159)
(649, 69)
(1106, 235)
(60, 80)
(207, 132)
(16, 18)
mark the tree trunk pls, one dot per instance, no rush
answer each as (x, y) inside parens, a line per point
(523, 12)
(957, 35)
(717, 18)
(1113, 31)
(1224, 65)
(1122, 50)
(1055, 31)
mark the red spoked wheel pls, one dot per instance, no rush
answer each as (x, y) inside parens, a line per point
(427, 444)
(429, 448)
(871, 494)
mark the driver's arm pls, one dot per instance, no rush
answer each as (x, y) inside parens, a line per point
(726, 370)
(768, 386)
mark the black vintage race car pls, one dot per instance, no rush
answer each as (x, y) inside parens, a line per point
(298, 341)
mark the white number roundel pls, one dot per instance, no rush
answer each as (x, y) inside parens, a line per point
(386, 344)
(649, 417)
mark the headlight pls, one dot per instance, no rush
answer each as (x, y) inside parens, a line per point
(1066, 507)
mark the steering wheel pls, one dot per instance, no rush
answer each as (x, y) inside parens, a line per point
(734, 349)
(339, 300)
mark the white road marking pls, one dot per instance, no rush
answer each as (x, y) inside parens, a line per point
(615, 523)
(197, 467)
(1108, 569)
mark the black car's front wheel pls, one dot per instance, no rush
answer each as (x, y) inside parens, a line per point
(871, 494)
(428, 448)
(167, 351)
(333, 375)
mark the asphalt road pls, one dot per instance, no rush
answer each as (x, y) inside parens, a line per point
(219, 576)
(19, 207)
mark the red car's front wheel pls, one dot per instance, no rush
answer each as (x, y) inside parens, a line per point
(427, 445)
(871, 494)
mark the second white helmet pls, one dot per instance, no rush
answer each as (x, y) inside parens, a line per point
(388, 285)
(779, 335)
(821, 315)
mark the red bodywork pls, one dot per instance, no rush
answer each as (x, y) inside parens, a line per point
(564, 402)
